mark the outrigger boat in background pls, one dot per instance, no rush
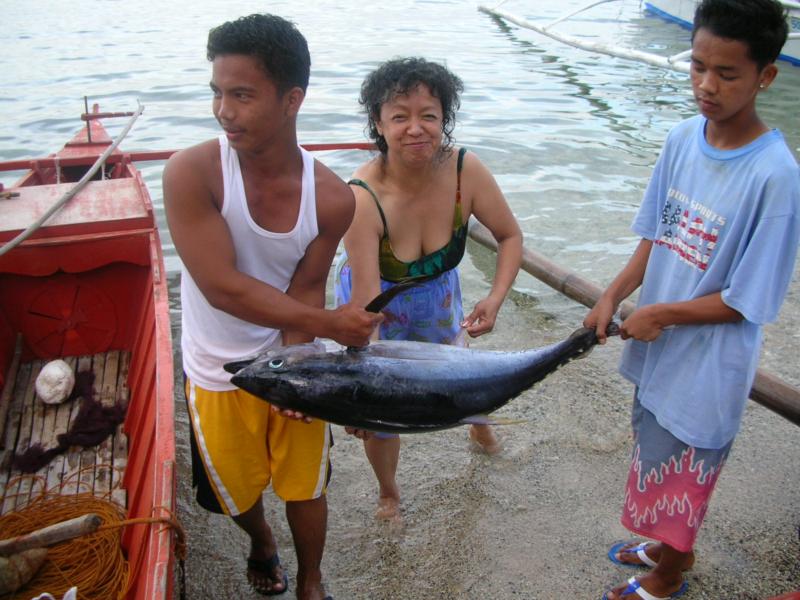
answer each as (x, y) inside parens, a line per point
(681, 11)
(89, 286)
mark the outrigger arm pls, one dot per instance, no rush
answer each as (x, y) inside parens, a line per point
(676, 62)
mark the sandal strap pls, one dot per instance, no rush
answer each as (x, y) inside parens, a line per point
(256, 564)
(642, 554)
(634, 587)
(640, 551)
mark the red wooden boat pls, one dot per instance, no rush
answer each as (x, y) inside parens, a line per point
(89, 286)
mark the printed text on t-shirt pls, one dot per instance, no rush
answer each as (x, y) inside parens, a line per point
(689, 228)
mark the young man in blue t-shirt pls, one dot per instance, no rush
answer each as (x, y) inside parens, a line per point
(720, 223)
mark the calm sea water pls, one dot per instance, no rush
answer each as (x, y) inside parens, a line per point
(571, 136)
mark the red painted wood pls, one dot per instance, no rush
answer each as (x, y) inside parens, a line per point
(90, 280)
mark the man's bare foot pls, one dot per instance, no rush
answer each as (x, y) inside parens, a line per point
(311, 590)
(484, 438)
(630, 554)
(650, 583)
(388, 509)
(267, 576)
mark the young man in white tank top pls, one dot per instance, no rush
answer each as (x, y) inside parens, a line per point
(256, 221)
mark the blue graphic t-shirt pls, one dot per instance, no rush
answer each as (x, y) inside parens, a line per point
(720, 220)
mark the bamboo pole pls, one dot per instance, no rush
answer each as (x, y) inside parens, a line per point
(665, 62)
(145, 156)
(768, 390)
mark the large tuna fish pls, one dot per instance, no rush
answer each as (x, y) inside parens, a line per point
(400, 386)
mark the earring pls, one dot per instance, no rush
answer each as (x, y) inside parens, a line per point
(762, 86)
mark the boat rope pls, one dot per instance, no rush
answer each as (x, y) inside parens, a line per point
(75, 189)
(170, 521)
(94, 562)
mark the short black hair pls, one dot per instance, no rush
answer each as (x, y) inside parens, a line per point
(275, 42)
(761, 24)
(400, 76)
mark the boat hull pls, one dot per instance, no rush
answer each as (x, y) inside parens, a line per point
(90, 287)
(682, 12)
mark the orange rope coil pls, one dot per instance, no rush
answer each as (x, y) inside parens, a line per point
(94, 563)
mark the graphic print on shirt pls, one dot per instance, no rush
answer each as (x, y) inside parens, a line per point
(690, 229)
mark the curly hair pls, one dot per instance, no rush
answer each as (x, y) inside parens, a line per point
(275, 42)
(400, 76)
(760, 24)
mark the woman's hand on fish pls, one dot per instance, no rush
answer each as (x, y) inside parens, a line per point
(292, 414)
(361, 434)
(482, 318)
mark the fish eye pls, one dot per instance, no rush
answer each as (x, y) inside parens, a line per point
(275, 363)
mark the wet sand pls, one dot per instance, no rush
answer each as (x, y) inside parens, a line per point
(534, 522)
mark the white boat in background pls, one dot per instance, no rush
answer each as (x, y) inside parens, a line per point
(682, 12)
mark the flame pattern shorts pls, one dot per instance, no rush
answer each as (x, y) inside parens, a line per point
(669, 483)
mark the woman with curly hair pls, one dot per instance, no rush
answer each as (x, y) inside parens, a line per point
(413, 203)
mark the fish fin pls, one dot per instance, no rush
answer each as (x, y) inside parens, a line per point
(380, 301)
(613, 328)
(237, 365)
(489, 420)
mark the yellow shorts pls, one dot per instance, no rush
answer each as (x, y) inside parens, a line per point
(239, 446)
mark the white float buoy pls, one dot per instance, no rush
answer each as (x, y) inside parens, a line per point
(55, 382)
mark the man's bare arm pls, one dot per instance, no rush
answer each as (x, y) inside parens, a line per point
(334, 212)
(624, 284)
(647, 323)
(203, 242)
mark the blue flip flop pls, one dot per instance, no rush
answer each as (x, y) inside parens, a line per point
(638, 550)
(634, 587)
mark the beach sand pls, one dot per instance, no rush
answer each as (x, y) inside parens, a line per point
(534, 522)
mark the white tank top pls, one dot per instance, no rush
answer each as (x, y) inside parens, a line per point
(210, 337)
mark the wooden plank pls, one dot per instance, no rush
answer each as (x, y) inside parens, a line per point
(101, 206)
(49, 441)
(120, 449)
(89, 455)
(26, 433)
(7, 395)
(13, 426)
(104, 455)
(37, 430)
(60, 425)
(72, 458)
